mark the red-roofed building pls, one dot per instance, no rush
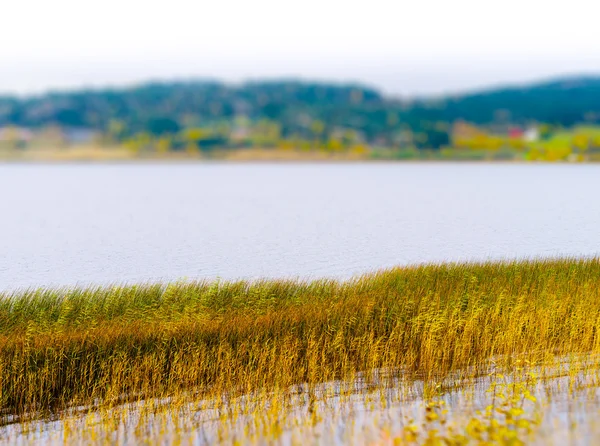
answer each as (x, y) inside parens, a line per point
(516, 133)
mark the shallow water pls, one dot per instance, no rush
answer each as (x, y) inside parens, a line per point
(69, 224)
(366, 411)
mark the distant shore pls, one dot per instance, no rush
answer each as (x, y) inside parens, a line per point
(92, 154)
(101, 154)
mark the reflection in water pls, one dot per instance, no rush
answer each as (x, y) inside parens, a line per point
(557, 403)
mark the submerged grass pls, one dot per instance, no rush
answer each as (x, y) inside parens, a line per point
(100, 347)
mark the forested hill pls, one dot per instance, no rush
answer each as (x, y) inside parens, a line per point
(564, 102)
(181, 102)
(159, 108)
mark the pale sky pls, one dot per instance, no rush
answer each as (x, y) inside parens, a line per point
(402, 47)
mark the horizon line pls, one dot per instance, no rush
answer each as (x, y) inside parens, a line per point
(174, 80)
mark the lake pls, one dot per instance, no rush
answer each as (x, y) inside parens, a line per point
(86, 223)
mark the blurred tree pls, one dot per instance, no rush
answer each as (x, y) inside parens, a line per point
(432, 139)
(117, 130)
(581, 142)
(192, 148)
(317, 128)
(163, 145)
(162, 126)
(334, 145)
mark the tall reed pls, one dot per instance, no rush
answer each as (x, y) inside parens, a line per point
(105, 345)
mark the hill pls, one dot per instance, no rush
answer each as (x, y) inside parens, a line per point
(565, 102)
(259, 113)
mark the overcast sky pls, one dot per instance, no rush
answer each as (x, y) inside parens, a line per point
(407, 47)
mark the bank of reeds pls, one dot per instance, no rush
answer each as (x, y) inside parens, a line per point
(103, 346)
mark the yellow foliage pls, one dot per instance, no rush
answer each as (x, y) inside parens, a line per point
(163, 145)
(254, 352)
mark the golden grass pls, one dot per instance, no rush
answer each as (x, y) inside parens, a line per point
(99, 347)
(88, 153)
(101, 153)
(260, 154)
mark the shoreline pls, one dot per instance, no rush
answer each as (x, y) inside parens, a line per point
(316, 161)
(293, 279)
(110, 155)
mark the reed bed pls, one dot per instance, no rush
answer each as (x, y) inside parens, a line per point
(98, 348)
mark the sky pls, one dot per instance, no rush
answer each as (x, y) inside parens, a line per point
(403, 47)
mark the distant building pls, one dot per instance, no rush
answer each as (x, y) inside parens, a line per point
(531, 134)
(240, 133)
(516, 133)
(79, 135)
(56, 136)
(50, 137)
(15, 135)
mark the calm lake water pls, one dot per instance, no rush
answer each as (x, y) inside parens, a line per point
(69, 224)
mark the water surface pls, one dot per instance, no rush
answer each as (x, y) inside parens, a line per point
(69, 224)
